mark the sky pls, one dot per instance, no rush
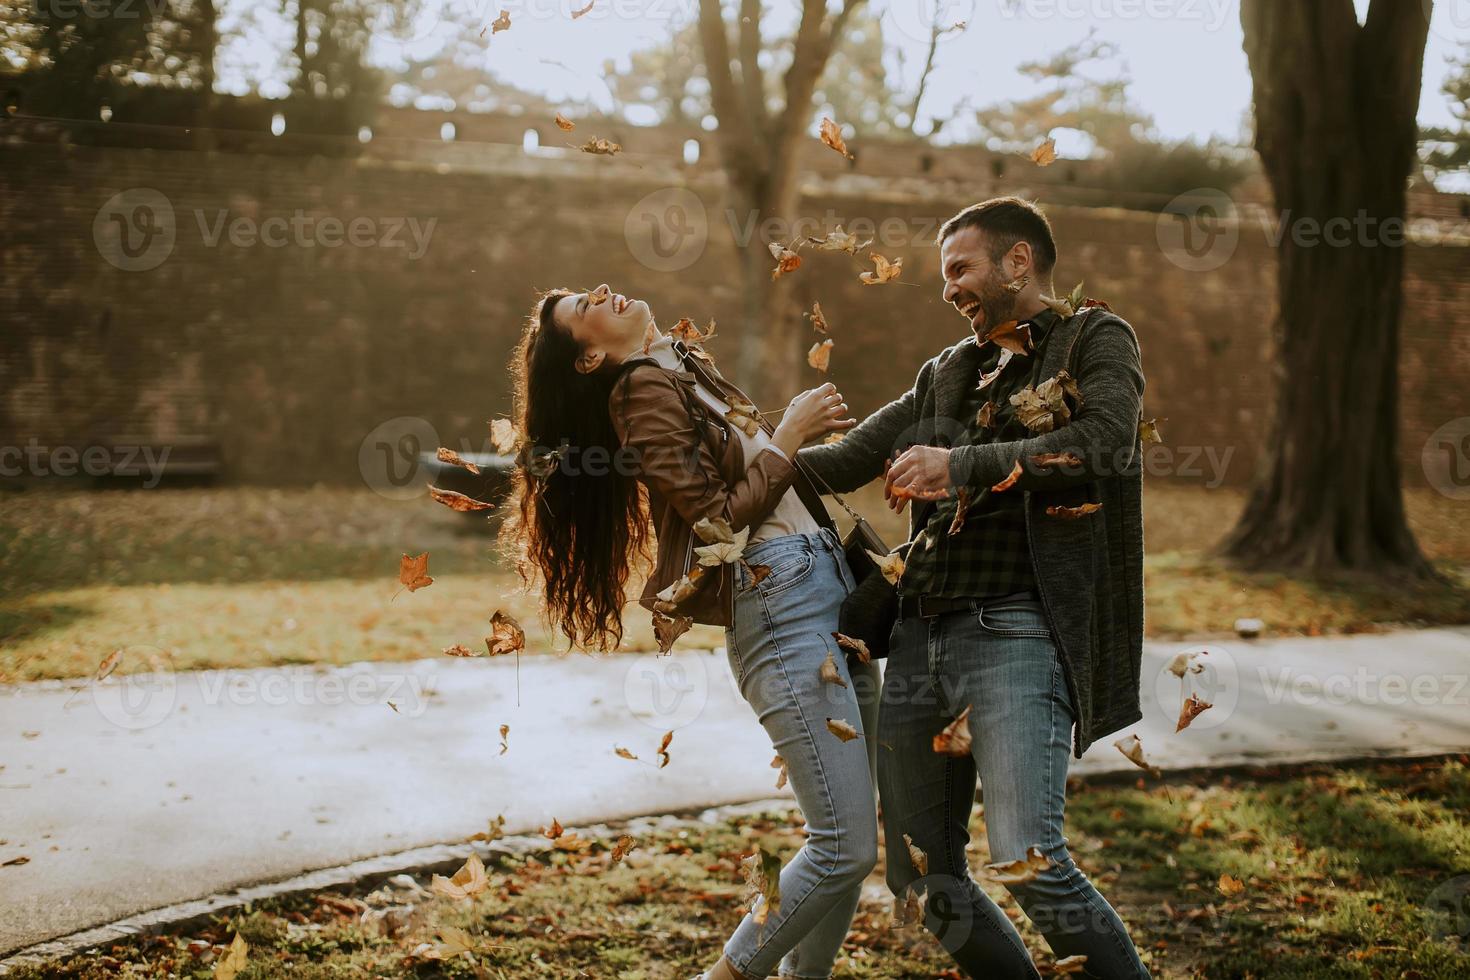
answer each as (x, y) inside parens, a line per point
(1184, 57)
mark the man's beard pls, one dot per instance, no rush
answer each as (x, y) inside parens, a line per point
(997, 302)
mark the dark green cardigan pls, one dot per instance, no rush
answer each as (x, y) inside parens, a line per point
(1089, 570)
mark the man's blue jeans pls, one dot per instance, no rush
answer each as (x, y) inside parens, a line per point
(999, 660)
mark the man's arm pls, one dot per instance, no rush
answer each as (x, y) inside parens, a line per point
(858, 457)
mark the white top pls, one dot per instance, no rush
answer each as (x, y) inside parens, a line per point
(790, 515)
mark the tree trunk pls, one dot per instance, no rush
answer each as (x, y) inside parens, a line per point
(1335, 122)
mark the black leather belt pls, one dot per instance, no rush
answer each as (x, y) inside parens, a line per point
(926, 607)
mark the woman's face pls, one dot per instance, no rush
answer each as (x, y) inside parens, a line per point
(607, 326)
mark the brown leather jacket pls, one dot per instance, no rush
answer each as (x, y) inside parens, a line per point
(694, 467)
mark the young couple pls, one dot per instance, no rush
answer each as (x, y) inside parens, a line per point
(1025, 610)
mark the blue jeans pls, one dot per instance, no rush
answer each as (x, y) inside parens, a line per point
(781, 636)
(999, 660)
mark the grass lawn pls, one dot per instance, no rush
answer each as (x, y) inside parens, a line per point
(1346, 873)
(242, 577)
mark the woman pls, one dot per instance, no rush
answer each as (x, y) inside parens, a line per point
(605, 403)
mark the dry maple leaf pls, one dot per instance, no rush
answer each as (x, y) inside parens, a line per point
(233, 961)
(459, 650)
(506, 635)
(501, 23)
(1012, 335)
(1192, 709)
(886, 271)
(503, 436)
(840, 241)
(668, 629)
(663, 749)
(1010, 480)
(917, 857)
(961, 511)
(831, 135)
(858, 647)
(1046, 154)
(504, 739)
(955, 739)
(1021, 871)
(786, 260)
(564, 124)
(725, 550)
(1132, 748)
(829, 672)
(625, 844)
(714, 530)
(468, 881)
(458, 501)
(819, 322)
(413, 573)
(1148, 432)
(779, 763)
(842, 729)
(891, 566)
(1230, 886)
(455, 459)
(820, 356)
(578, 14)
(763, 873)
(597, 145)
(1072, 513)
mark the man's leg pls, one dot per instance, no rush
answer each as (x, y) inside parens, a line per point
(929, 797)
(1022, 724)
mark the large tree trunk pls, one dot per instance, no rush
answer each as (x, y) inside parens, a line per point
(1336, 108)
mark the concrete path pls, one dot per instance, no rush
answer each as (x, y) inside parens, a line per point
(153, 790)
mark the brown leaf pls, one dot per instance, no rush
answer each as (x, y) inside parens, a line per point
(1010, 480)
(955, 739)
(763, 873)
(1013, 336)
(820, 356)
(625, 842)
(1230, 886)
(496, 831)
(1060, 307)
(623, 753)
(455, 459)
(554, 831)
(15, 862)
(663, 749)
(503, 436)
(562, 122)
(597, 145)
(1021, 871)
(413, 573)
(233, 962)
(669, 600)
(394, 707)
(112, 660)
(917, 857)
(468, 881)
(1070, 966)
(961, 511)
(819, 322)
(745, 421)
(1132, 749)
(779, 763)
(458, 501)
(501, 23)
(598, 296)
(840, 241)
(1148, 432)
(786, 260)
(577, 14)
(1072, 513)
(985, 418)
(858, 647)
(889, 566)
(1187, 662)
(842, 729)
(1192, 709)
(829, 672)
(686, 331)
(1056, 459)
(504, 739)
(459, 650)
(667, 629)
(1046, 154)
(506, 635)
(831, 135)
(885, 271)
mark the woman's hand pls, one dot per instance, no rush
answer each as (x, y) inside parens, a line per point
(811, 415)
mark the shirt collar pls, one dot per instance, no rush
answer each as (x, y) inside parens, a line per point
(1041, 325)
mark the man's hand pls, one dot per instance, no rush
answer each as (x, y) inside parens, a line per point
(921, 473)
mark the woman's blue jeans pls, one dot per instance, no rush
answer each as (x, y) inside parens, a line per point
(781, 636)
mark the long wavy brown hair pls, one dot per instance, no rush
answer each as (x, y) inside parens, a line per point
(581, 531)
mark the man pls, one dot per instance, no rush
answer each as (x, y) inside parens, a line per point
(1021, 603)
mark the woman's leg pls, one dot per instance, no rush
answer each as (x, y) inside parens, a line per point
(780, 640)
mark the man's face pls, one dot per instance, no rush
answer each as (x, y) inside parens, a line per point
(973, 284)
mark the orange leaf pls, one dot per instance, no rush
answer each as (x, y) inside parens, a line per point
(459, 650)
(1192, 709)
(1010, 479)
(962, 510)
(1046, 154)
(458, 501)
(414, 572)
(955, 739)
(831, 135)
(598, 145)
(1013, 336)
(1072, 513)
(856, 646)
(819, 322)
(562, 122)
(820, 356)
(786, 260)
(506, 635)
(886, 271)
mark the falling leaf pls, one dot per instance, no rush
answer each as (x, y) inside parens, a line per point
(1187, 662)
(578, 14)
(1012, 335)
(829, 672)
(955, 739)
(786, 260)
(503, 435)
(831, 135)
(1056, 459)
(842, 729)
(1049, 405)
(1070, 966)
(840, 241)
(1192, 709)
(623, 753)
(1148, 432)
(746, 420)
(501, 23)
(819, 322)
(1046, 154)
(15, 862)
(455, 459)
(414, 572)
(917, 857)
(108, 665)
(625, 842)
(233, 961)
(667, 629)
(504, 739)
(506, 635)
(820, 356)
(458, 501)
(562, 122)
(668, 600)
(891, 566)
(663, 749)
(858, 647)
(779, 763)
(394, 707)
(459, 650)
(554, 831)
(598, 145)
(469, 881)
(985, 418)
(686, 331)
(497, 827)
(1132, 749)
(1072, 513)
(1230, 886)
(1011, 478)
(763, 873)
(1021, 871)
(886, 271)
(961, 511)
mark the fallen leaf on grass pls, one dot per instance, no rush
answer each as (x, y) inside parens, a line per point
(233, 961)
(413, 573)
(820, 356)
(955, 739)
(469, 881)
(1132, 748)
(885, 271)
(458, 501)
(1021, 871)
(1192, 709)
(831, 135)
(842, 729)
(1230, 886)
(506, 635)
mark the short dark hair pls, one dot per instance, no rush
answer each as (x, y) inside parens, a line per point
(1006, 221)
